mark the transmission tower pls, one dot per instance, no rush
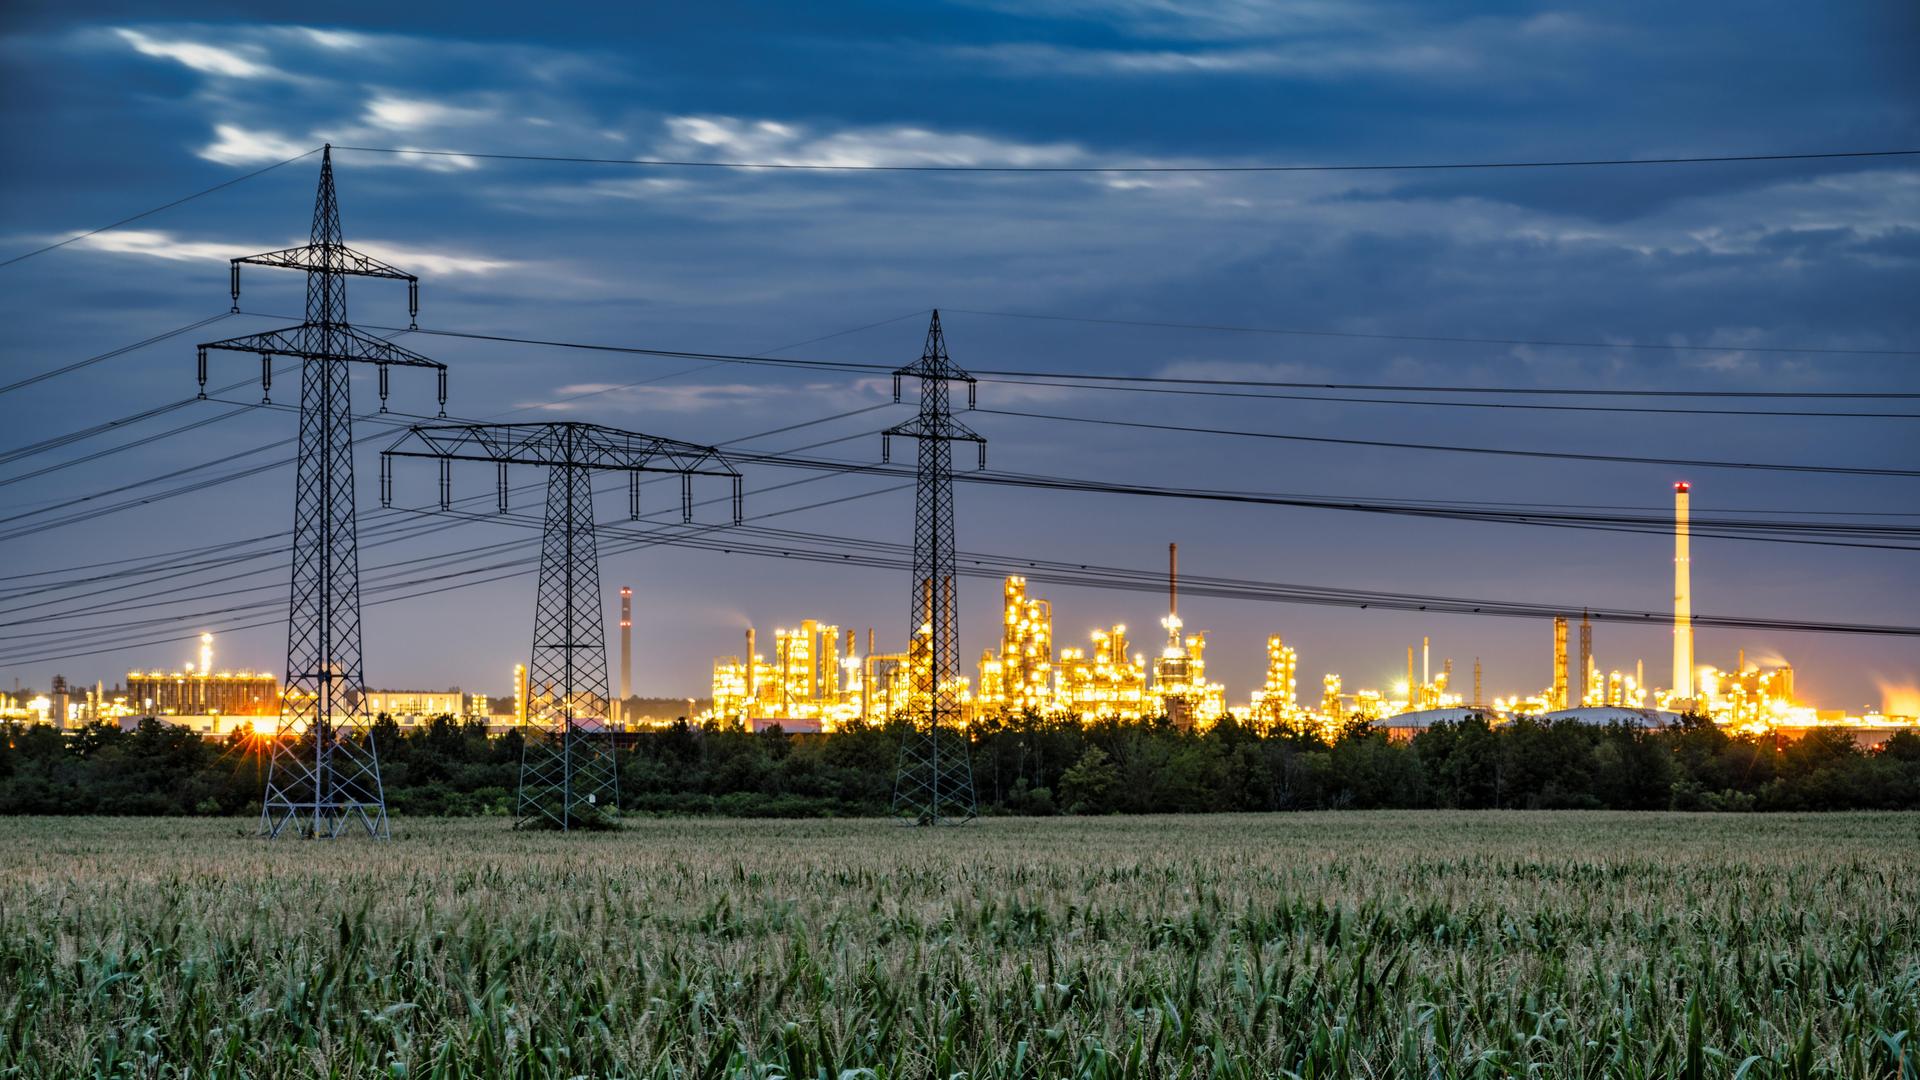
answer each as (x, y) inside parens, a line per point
(567, 770)
(325, 770)
(934, 782)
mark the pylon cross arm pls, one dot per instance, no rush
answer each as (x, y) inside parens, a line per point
(934, 368)
(345, 342)
(335, 258)
(948, 430)
(579, 445)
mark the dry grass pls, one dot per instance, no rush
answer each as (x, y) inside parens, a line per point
(1417, 944)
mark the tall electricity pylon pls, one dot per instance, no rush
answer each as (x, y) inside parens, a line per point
(325, 770)
(567, 774)
(934, 783)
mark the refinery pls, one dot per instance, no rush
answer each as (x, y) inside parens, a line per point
(818, 677)
(817, 680)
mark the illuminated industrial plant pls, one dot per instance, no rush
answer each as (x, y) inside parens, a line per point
(1104, 684)
(818, 678)
(812, 684)
(200, 691)
(1020, 676)
(816, 681)
(1180, 690)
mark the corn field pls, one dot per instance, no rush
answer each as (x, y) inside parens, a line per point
(1419, 944)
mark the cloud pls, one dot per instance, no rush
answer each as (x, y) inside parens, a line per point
(642, 188)
(664, 398)
(158, 244)
(414, 114)
(726, 138)
(1300, 41)
(235, 145)
(419, 157)
(201, 57)
(154, 244)
(415, 260)
(1306, 59)
(334, 39)
(1196, 19)
(373, 89)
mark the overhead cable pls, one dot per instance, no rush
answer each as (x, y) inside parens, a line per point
(1429, 166)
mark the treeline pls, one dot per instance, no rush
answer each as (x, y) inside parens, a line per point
(1022, 765)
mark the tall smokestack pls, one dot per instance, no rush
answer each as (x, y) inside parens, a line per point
(1173, 580)
(1682, 596)
(1559, 661)
(751, 668)
(626, 650)
(1586, 657)
(1476, 682)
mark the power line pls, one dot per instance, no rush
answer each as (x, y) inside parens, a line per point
(1420, 388)
(55, 442)
(862, 368)
(683, 163)
(174, 571)
(164, 206)
(1557, 455)
(1094, 576)
(396, 418)
(1249, 395)
(1542, 343)
(1770, 531)
(110, 354)
(846, 467)
(110, 451)
(512, 569)
(847, 551)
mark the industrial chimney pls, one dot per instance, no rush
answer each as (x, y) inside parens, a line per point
(1682, 597)
(626, 650)
(1173, 580)
(1559, 661)
(752, 688)
(1412, 690)
(1586, 658)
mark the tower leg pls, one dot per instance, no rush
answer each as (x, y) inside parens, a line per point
(934, 784)
(568, 777)
(324, 774)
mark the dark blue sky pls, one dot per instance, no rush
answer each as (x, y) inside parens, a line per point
(107, 111)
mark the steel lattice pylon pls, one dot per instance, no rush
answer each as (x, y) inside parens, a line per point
(325, 770)
(934, 783)
(568, 775)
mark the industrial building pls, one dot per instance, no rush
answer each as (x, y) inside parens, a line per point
(1020, 676)
(1180, 690)
(1104, 681)
(204, 693)
(197, 690)
(819, 678)
(408, 707)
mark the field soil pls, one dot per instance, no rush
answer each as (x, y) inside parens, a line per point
(1415, 944)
